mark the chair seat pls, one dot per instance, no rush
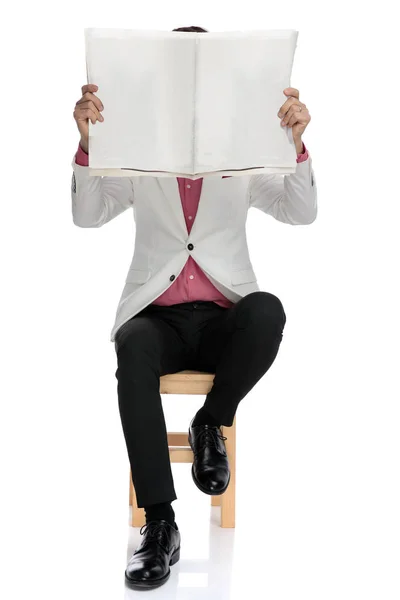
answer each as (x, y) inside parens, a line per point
(186, 382)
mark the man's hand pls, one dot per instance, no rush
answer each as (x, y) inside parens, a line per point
(294, 114)
(87, 107)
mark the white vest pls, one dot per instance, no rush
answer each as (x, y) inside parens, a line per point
(218, 233)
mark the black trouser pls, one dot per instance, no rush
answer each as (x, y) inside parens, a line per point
(238, 344)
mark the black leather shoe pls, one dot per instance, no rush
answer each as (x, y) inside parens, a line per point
(210, 469)
(149, 566)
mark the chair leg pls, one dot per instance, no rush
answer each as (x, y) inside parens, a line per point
(229, 497)
(130, 488)
(138, 514)
(216, 500)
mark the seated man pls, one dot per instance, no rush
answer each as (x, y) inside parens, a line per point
(175, 314)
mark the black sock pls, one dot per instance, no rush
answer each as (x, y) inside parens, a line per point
(202, 417)
(163, 510)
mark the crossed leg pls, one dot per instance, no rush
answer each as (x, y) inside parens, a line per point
(239, 346)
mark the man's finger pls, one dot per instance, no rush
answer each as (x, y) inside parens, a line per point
(90, 104)
(292, 92)
(294, 108)
(302, 118)
(89, 87)
(89, 96)
(89, 114)
(296, 117)
(81, 114)
(286, 106)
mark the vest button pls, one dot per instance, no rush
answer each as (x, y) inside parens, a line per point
(190, 246)
(172, 277)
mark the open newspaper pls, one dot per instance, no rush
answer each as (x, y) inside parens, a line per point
(190, 104)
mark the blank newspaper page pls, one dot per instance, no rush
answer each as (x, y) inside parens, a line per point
(146, 83)
(239, 90)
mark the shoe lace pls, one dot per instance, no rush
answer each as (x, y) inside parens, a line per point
(154, 530)
(208, 437)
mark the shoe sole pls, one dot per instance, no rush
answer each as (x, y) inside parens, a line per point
(151, 584)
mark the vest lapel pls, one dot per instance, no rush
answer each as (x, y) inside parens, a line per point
(170, 190)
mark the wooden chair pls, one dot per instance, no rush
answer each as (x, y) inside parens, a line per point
(193, 382)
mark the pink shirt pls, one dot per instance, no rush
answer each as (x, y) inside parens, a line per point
(192, 284)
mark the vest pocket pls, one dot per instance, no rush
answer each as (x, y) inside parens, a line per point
(243, 276)
(138, 276)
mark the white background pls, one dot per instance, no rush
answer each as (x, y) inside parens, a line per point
(318, 446)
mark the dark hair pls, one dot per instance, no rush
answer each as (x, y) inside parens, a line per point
(193, 29)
